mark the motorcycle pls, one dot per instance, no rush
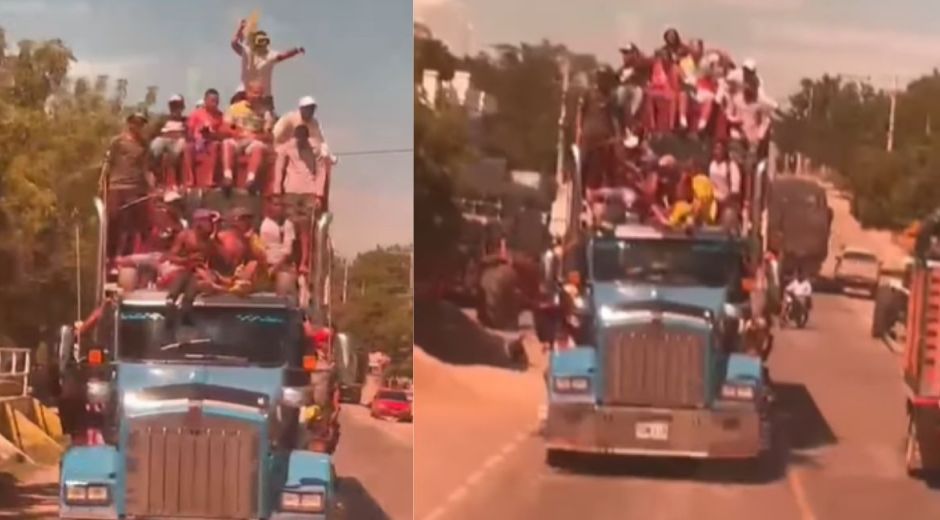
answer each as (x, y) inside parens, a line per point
(795, 310)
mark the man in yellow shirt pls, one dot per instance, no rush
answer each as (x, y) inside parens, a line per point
(251, 122)
(702, 210)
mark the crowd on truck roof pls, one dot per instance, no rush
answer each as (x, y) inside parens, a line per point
(156, 171)
(681, 92)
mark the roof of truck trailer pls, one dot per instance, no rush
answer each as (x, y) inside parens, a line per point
(261, 299)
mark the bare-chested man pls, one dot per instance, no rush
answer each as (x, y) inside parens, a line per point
(190, 252)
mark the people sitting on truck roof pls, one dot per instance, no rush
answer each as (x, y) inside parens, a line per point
(187, 274)
(701, 210)
(207, 130)
(725, 175)
(251, 124)
(258, 60)
(128, 181)
(632, 77)
(662, 93)
(305, 115)
(301, 176)
(169, 152)
(750, 120)
(277, 235)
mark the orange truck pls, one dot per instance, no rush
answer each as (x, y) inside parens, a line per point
(922, 370)
(921, 345)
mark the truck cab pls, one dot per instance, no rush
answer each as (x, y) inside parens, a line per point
(659, 367)
(201, 413)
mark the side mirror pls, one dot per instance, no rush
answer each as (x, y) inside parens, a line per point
(343, 353)
(65, 345)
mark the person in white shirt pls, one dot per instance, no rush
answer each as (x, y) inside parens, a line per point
(277, 234)
(304, 115)
(258, 60)
(801, 288)
(725, 176)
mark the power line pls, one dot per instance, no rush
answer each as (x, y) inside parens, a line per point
(388, 151)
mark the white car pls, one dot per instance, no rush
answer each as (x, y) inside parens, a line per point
(857, 268)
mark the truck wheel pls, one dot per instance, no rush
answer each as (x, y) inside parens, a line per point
(912, 458)
(558, 459)
(880, 321)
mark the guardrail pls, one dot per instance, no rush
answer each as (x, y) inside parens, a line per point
(15, 364)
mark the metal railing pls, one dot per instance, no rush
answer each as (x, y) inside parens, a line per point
(14, 371)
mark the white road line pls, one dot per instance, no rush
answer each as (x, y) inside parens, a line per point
(474, 478)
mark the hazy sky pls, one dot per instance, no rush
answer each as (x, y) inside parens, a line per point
(788, 38)
(358, 65)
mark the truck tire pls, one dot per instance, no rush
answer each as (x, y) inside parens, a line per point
(881, 315)
(499, 308)
(912, 459)
(558, 459)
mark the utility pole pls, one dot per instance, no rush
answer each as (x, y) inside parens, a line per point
(565, 68)
(894, 103)
(345, 278)
(78, 272)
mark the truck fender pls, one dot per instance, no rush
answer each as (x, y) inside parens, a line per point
(310, 471)
(89, 464)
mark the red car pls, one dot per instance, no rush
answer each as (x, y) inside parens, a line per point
(392, 404)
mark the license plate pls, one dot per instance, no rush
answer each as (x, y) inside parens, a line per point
(656, 431)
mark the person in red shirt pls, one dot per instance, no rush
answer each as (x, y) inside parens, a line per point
(206, 131)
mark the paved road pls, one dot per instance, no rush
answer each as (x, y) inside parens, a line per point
(841, 436)
(373, 463)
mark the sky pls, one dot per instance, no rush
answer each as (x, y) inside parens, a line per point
(790, 39)
(358, 65)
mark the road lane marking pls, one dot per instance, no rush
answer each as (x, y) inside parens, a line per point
(476, 476)
(799, 494)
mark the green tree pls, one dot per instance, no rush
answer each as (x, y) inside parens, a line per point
(843, 125)
(52, 137)
(378, 311)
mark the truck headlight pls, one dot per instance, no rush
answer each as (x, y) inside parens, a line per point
(576, 385)
(98, 391)
(737, 392)
(294, 397)
(87, 494)
(303, 502)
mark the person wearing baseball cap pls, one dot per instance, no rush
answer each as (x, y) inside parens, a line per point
(305, 114)
(633, 75)
(128, 181)
(170, 156)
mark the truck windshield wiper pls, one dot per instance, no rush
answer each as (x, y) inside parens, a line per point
(219, 357)
(178, 344)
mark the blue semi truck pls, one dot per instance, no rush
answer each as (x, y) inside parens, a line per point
(200, 414)
(200, 419)
(659, 368)
(658, 358)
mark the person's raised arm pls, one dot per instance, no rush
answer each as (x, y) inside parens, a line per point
(290, 54)
(237, 39)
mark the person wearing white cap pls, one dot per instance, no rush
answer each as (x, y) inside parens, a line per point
(168, 150)
(304, 115)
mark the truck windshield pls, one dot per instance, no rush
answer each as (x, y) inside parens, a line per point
(665, 261)
(212, 335)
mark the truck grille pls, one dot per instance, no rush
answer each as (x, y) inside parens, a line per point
(651, 365)
(208, 471)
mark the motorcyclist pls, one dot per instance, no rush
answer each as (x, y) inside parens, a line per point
(801, 290)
